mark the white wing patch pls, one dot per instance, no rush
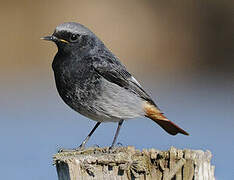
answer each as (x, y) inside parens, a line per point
(135, 81)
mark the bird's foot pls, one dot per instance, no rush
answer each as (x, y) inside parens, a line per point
(96, 146)
(119, 144)
(65, 150)
(114, 148)
(81, 147)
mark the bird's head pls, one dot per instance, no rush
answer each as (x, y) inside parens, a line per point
(71, 37)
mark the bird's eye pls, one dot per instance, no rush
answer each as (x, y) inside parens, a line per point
(74, 37)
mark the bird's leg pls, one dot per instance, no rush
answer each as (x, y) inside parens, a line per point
(117, 133)
(90, 134)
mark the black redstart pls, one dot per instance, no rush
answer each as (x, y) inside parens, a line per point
(93, 82)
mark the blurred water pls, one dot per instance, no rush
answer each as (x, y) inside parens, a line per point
(35, 123)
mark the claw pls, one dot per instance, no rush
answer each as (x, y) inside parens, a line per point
(96, 145)
(66, 150)
(119, 144)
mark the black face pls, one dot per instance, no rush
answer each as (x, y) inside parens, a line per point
(67, 41)
(74, 38)
(64, 36)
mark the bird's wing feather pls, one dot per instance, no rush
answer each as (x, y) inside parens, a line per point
(115, 72)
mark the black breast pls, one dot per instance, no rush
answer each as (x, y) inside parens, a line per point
(77, 82)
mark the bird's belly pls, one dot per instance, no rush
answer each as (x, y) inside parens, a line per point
(118, 102)
(105, 102)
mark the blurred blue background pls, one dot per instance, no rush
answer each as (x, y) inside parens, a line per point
(182, 53)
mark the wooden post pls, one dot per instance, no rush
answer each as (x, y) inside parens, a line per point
(127, 163)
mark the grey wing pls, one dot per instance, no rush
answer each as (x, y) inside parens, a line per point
(115, 72)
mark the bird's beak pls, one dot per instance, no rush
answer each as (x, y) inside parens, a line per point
(48, 38)
(54, 39)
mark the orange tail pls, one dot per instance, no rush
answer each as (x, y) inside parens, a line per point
(153, 113)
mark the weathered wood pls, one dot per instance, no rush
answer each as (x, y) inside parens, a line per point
(127, 163)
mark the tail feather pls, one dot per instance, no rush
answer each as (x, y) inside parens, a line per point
(153, 113)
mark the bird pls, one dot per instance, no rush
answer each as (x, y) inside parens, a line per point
(92, 81)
